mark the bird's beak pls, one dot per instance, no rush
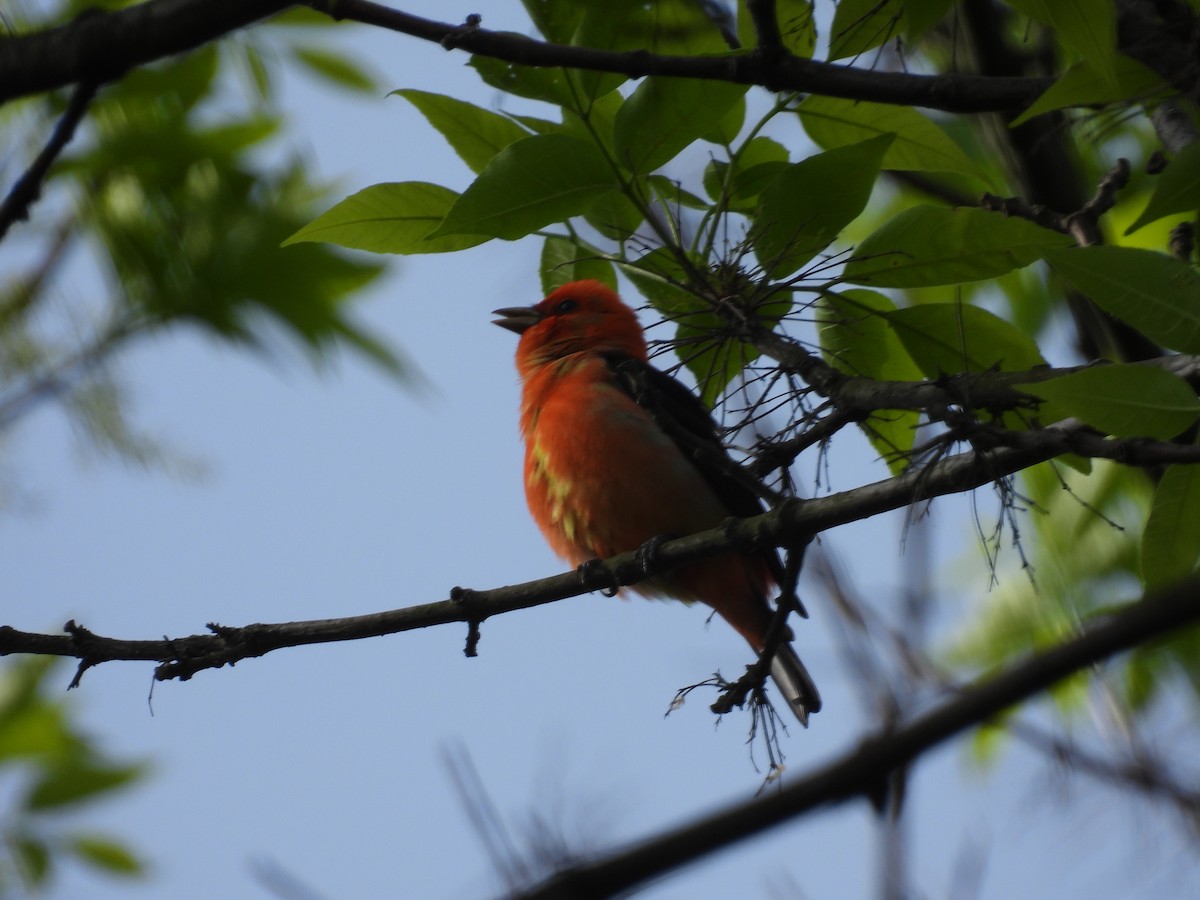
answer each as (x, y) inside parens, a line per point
(517, 318)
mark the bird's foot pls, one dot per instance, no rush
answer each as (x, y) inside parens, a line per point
(646, 556)
(594, 576)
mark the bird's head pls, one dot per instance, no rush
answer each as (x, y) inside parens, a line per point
(582, 316)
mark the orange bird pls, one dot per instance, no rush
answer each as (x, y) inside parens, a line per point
(618, 453)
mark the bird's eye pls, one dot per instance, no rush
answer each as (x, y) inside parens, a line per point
(566, 306)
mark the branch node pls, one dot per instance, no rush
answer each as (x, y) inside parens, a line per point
(452, 40)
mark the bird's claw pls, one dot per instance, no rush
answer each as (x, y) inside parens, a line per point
(646, 555)
(594, 576)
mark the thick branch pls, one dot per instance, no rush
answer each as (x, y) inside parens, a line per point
(781, 72)
(859, 772)
(99, 46)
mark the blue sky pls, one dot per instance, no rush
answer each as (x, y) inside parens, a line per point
(341, 492)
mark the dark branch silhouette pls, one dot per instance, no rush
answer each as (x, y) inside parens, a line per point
(860, 772)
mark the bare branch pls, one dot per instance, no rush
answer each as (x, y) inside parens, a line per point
(787, 523)
(25, 192)
(860, 771)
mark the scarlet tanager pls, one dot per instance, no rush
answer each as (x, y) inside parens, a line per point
(618, 452)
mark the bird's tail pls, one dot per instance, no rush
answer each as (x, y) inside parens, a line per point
(794, 683)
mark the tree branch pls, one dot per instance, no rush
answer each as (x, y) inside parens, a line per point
(860, 771)
(780, 72)
(28, 187)
(787, 523)
(97, 47)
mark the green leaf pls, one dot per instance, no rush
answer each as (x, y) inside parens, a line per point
(547, 85)
(726, 131)
(1081, 85)
(946, 338)
(714, 359)
(797, 27)
(860, 25)
(805, 207)
(335, 68)
(555, 20)
(659, 275)
(930, 245)
(1086, 28)
(1171, 542)
(77, 781)
(614, 215)
(538, 180)
(1155, 293)
(33, 857)
(389, 218)
(857, 339)
(919, 145)
(476, 134)
(1176, 189)
(664, 115)
(922, 15)
(565, 260)
(1122, 400)
(758, 162)
(105, 854)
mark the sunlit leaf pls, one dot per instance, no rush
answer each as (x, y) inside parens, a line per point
(1122, 400)
(476, 134)
(389, 218)
(538, 180)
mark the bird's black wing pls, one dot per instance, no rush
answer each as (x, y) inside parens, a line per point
(686, 420)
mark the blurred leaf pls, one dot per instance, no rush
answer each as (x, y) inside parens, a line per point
(922, 15)
(856, 338)
(538, 180)
(34, 860)
(389, 218)
(476, 134)
(805, 207)
(931, 245)
(1176, 189)
(665, 115)
(946, 338)
(105, 854)
(1171, 541)
(77, 782)
(1122, 400)
(919, 144)
(1155, 293)
(336, 68)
